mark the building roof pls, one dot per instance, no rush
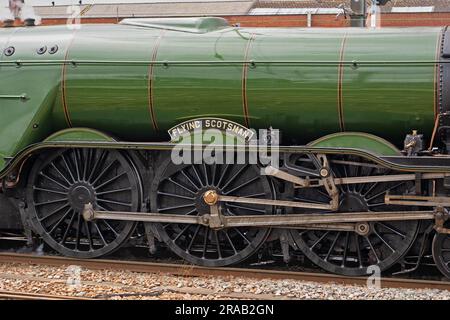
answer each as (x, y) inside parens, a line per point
(391, 6)
(159, 8)
(152, 9)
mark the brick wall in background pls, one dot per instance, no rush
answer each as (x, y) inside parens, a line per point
(387, 20)
(415, 19)
(288, 21)
(330, 21)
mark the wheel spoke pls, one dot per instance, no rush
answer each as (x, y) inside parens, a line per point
(379, 204)
(78, 232)
(53, 212)
(110, 180)
(332, 246)
(392, 229)
(190, 180)
(242, 235)
(374, 185)
(38, 204)
(319, 240)
(110, 227)
(229, 241)
(89, 235)
(119, 203)
(98, 162)
(206, 174)
(205, 242)
(358, 250)
(69, 170)
(385, 191)
(344, 256)
(180, 185)
(169, 194)
(100, 175)
(197, 175)
(76, 162)
(58, 223)
(234, 176)
(372, 248)
(309, 200)
(181, 233)
(106, 221)
(192, 211)
(60, 173)
(213, 178)
(113, 191)
(86, 163)
(69, 225)
(219, 252)
(188, 249)
(50, 190)
(176, 207)
(224, 172)
(99, 232)
(384, 241)
(53, 180)
(245, 208)
(241, 185)
(254, 195)
(362, 185)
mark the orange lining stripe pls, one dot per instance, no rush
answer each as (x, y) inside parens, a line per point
(436, 74)
(244, 81)
(151, 75)
(63, 83)
(340, 98)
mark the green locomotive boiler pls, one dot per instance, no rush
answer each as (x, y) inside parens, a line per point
(88, 115)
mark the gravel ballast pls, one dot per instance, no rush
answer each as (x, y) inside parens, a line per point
(109, 284)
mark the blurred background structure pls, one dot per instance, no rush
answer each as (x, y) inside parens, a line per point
(246, 13)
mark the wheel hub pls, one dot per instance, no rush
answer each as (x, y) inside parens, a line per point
(210, 197)
(80, 194)
(205, 198)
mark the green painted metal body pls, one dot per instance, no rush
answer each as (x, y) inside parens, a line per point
(135, 82)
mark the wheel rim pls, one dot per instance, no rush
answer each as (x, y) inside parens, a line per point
(180, 189)
(62, 183)
(349, 253)
(441, 253)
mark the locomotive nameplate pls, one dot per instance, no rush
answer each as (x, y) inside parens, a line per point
(202, 125)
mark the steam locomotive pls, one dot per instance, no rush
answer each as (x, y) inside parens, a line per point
(90, 115)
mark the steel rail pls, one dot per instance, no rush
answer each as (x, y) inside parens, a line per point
(15, 295)
(198, 271)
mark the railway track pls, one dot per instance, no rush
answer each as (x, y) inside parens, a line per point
(197, 271)
(13, 295)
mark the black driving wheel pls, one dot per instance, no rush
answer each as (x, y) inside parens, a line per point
(441, 253)
(62, 182)
(179, 189)
(349, 253)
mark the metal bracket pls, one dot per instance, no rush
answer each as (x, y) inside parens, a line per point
(440, 217)
(23, 97)
(327, 181)
(413, 200)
